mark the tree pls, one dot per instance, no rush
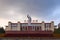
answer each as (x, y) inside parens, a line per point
(57, 31)
(2, 30)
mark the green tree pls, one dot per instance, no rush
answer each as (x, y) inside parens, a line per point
(57, 31)
(2, 30)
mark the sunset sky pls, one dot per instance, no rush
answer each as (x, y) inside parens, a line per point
(42, 10)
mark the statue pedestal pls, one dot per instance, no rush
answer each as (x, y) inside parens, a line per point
(29, 28)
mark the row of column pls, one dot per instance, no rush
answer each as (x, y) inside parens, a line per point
(11, 29)
(42, 26)
(51, 28)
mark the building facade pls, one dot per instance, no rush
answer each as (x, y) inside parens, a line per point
(30, 26)
(34, 26)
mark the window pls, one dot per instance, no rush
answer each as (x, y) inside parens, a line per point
(23, 28)
(40, 28)
(37, 28)
(14, 25)
(47, 26)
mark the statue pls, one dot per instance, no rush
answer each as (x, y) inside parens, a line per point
(29, 20)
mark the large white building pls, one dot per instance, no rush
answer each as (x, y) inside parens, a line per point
(30, 26)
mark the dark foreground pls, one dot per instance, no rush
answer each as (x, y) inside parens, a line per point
(13, 35)
(29, 34)
(28, 38)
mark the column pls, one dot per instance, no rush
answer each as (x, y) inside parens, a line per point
(18, 26)
(52, 25)
(9, 26)
(43, 26)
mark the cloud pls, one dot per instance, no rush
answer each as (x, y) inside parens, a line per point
(38, 9)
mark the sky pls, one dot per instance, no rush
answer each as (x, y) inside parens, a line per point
(41, 10)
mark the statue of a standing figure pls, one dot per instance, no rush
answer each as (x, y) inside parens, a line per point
(29, 20)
